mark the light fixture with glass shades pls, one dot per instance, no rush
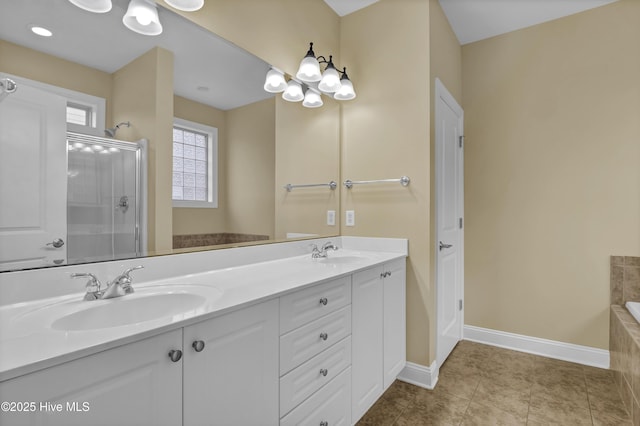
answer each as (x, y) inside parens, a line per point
(142, 17)
(95, 6)
(331, 82)
(186, 5)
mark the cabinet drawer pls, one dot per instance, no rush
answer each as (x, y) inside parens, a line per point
(303, 306)
(299, 345)
(299, 384)
(331, 404)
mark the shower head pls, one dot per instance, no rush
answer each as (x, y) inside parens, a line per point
(111, 132)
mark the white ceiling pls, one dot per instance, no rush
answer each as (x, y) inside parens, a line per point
(474, 20)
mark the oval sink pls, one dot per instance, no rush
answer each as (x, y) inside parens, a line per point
(146, 304)
(340, 259)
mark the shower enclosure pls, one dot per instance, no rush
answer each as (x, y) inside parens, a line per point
(105, 202)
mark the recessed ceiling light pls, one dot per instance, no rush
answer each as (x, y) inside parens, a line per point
(41, 31)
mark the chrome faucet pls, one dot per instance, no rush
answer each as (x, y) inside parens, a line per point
(120, 286)
(322, 252)
(93, 285)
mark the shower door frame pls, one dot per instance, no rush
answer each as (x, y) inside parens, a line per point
(140, 149)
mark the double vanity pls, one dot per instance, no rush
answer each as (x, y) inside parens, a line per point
(260, 335)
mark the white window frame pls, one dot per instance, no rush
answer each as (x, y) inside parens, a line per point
(95, 104)
(212, 164)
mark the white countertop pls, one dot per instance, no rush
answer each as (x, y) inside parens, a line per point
(28, 342)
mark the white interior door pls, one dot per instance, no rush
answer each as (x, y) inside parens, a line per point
(33, 178)
(449, 222)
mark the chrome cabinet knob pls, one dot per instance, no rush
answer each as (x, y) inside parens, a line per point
(198, 345)
(324, 336)
(324, 301)
(323, 423)
(175, 355)
(324, 372)
(57, 243)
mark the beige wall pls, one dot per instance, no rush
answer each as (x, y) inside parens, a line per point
(188, 221)
(385, 134)
(308, 151)
(250, 164)
(446, 64)
(34, 65)
(143, 95)
(551, 172)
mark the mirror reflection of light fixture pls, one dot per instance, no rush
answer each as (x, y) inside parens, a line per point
(312, 99)
(332, 82)
(95, 6)
(186, 5)
(275, 82)
(142, 17)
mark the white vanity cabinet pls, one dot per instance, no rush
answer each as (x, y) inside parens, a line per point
(231, 368)
(134, 384)
(378, 332)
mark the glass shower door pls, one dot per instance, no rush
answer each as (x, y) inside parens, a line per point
(103, 199)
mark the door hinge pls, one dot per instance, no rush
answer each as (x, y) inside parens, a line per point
(460, 141)
(460, 223)
(460, 304)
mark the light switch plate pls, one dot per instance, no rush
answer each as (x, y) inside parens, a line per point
(350, 218)
(331, 217)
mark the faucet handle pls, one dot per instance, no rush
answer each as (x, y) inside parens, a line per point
(93, 285)
(124, 279)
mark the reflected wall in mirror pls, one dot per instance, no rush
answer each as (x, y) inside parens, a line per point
(95, 67)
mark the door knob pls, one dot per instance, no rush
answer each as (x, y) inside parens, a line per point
(57, 243)
(445, 246)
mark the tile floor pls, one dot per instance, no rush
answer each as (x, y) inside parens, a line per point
(485, 385)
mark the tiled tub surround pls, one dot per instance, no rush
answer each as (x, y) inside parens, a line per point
(246, 275)
(203, 240)
(624, 335)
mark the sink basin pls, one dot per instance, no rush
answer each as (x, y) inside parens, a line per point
(336, 260)
(148, 303)
(125, 311)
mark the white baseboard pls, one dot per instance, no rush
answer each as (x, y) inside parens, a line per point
(419, 375)
(548, 348)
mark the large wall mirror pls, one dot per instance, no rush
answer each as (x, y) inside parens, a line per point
(104, 130)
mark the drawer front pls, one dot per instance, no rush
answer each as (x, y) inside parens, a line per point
(306, 305)
(299, 384)
(303, 343)
(331, 405)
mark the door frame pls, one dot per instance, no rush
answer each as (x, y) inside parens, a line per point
(442, 95)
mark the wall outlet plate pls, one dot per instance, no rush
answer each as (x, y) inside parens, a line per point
(331, 217)
(350, 218)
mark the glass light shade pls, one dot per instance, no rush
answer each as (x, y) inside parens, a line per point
(346, 91)
(95, 6)
(312, 99)
(309, 70)
(142, 17)
(186, 5)
(274, 82)
(293, 92)
(330, 80)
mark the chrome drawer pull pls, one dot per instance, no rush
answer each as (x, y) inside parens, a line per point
(175, 355)
(324, 336)
(324, 372)
(324, 301)
(198, 345)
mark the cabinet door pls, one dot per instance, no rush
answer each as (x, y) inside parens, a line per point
(134, 384)
(233, 380)
(395, 328)
(366, 334)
